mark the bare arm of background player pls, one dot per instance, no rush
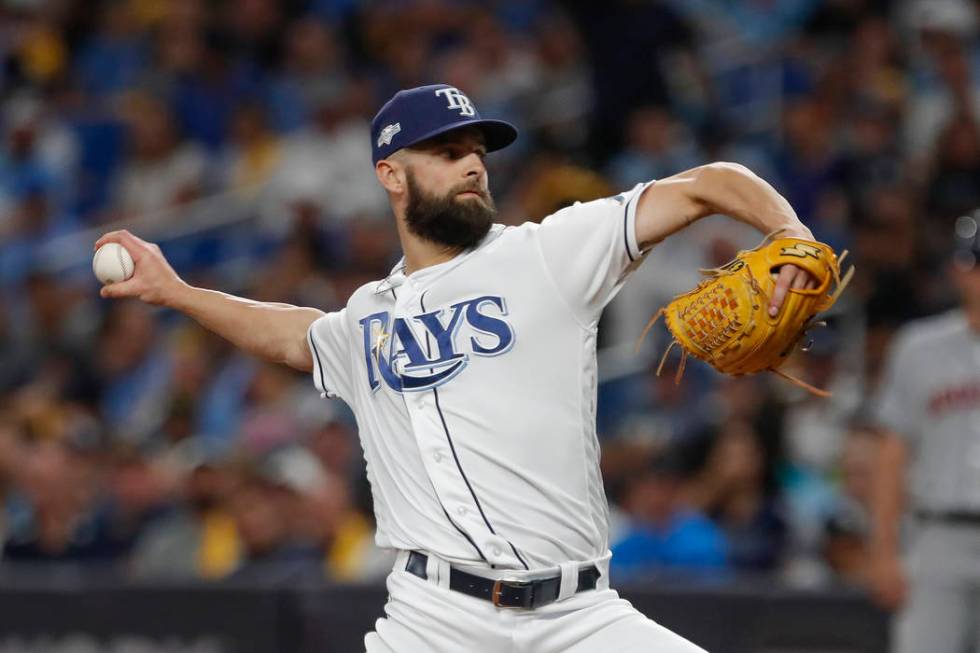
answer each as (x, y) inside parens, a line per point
(274, 332)
(729, 189)
(887, 499)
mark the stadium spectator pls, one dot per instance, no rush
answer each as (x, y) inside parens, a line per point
(112, 58)
(657, 145)
(557, 111)
(326, 162)
(198, 539)
(343, 533)
(848, 527)
(668, 410)
(253, 152)
(134, 372)
(53, 515)
(736, 490)
(267, 507)
(138, 494)
(954, 184)
(312, 67)
(160, 170)
(40, 153)
(664, 534)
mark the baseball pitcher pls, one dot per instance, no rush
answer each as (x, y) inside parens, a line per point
(471, 370)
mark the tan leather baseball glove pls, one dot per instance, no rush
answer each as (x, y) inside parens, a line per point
(725, 320)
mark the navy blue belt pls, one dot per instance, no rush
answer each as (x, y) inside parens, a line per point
(528, 594)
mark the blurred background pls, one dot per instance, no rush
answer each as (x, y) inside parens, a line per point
(234, 133)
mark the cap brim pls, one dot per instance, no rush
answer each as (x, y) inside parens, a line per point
(498, 133)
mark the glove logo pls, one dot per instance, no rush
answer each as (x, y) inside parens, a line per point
(800, 250)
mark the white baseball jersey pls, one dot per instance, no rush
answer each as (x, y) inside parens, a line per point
(930, 394)
(474, 387)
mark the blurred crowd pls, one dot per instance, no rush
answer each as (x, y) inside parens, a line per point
(235, 134)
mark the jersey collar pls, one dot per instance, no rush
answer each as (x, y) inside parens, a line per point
(394, 279)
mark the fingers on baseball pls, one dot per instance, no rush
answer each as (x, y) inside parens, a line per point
(135, 246)
(111, 237)
(128, 288)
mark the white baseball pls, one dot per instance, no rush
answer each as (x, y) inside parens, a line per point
(112, 263)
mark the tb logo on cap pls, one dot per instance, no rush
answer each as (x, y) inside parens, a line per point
(457, 101)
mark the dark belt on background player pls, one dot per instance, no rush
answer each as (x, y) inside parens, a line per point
(504, 593)
(959, 517)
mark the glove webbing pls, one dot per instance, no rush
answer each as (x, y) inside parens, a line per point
(683, 364)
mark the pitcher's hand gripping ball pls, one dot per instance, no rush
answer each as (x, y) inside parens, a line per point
(725, 320)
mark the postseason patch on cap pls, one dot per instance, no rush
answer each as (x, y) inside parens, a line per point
(384, 138)
(416, 114)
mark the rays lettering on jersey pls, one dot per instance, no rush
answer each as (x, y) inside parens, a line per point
(422, 352)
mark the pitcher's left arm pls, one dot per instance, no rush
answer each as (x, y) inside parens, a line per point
(730, 189)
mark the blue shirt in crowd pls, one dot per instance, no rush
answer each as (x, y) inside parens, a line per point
(688, 541)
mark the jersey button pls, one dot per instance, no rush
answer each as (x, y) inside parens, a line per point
(461, 511)
(437, 456)
(496, 551)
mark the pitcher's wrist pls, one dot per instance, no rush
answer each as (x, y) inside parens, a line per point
(176, 295)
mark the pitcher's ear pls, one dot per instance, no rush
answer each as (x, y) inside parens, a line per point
(391, 175)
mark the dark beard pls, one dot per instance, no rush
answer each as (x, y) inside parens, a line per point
(443, 220)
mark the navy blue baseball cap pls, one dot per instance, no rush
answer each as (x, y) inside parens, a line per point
(413, 115)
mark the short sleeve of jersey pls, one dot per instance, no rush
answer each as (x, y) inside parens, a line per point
(329, 342)
(895, 405)
(590, 247)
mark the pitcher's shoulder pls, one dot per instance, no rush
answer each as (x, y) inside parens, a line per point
(371, 293)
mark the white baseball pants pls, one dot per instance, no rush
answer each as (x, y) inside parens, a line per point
(423, 616)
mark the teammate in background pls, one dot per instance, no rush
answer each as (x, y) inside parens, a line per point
(471, 371)
(929, 406)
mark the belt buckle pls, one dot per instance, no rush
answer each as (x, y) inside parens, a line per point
(498, 586)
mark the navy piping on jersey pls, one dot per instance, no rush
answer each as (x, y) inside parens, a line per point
(519, 556)
(317, 362)
(467, 536)
(459, 466)
(626, 228)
